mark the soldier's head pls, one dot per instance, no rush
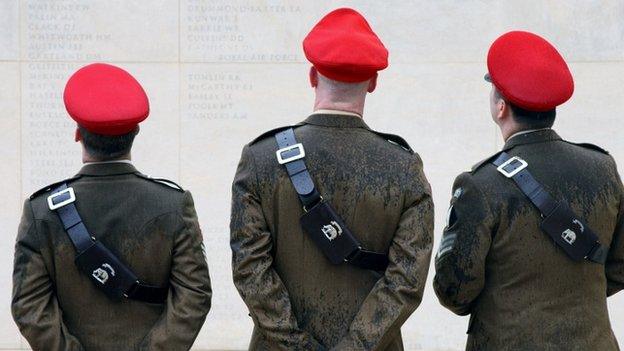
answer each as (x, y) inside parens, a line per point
(518, 118)
(108, 104)
(333, 94)
(98, 147)
(529, 80)
(346, 55)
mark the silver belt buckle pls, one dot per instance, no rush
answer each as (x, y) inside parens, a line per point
(299, 156)
(72, 198)
(523, 165)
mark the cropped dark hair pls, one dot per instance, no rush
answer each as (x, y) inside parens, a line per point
(530, 119)
(107, 147)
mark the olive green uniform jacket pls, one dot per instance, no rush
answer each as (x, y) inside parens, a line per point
(300, 301)
(151, 227)
(495, 263)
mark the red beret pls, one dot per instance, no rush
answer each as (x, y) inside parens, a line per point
(105, 99)
(529, 72)
(343, 47)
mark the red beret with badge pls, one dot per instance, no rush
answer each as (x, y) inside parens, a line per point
(105, 99)
(343, 47)
(529, 71)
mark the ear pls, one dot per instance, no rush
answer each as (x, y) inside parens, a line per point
(313, 77)
(77, 136)
(372, 84)
(502, 109)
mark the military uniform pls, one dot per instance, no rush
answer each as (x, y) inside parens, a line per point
(296, 297)
(109, 259)
(534, 242)
(496, 264)
(150, 226)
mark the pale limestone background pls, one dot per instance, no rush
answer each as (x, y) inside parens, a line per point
(219, 72)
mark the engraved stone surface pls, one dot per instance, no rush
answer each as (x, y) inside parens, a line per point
(241, 31)
(49, 152)
(446, 31)
(9, 39)
(99, 30)
(156, 149)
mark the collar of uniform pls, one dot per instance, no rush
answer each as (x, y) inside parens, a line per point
(113, 161)
(336, 120)
(531, 137)
(107, 168)
(325, 111)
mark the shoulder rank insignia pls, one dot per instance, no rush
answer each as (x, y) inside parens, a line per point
(49, 187)
(395, 139)
(590, 146)
(161, 181)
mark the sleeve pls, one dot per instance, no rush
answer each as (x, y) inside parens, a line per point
(460, 261)
(614, 267)
(190, 292)
(252, 263)
(34, 306)
(398, 293)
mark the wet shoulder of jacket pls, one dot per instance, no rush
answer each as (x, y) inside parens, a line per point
(265, 143)
(260, 155)
(397, 149)
(596, 154)
(491, 186)
(400, 154)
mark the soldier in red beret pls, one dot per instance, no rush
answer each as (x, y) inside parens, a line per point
(330, 244)
(534, 242)
(109, 259)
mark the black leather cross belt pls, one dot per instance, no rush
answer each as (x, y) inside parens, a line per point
(324, 226)
(567, 229)
(96, 261)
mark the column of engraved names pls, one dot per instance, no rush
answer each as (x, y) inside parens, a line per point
(219, 31)
(53, 31)
(48, 151)
(214, 96)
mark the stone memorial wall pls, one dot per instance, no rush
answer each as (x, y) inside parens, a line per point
(220, 72)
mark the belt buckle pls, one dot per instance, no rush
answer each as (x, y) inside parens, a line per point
(353, 254)
(132, 290)
(305, 208)
(72, 197)
(509, 174)
(299, 156)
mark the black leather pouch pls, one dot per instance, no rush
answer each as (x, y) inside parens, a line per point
(106, 271)
(569, 232)
(329, 232)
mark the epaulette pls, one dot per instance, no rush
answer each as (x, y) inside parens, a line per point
(484, 162)
(396, 140)
(273, 131)
(49, 187)
(161, 181)
(589, 146)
